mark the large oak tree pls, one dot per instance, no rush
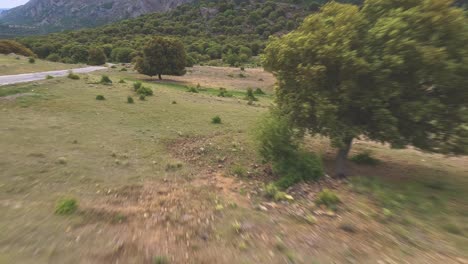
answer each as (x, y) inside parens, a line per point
(393, 71)
(162, 56)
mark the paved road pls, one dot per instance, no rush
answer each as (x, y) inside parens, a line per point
(30, 77)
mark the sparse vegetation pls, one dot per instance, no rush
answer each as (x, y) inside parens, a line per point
(239, 171)
(66, 206)
(130, 100)
(160, 260)
(365, 158)
(137, 85)
(142, 97)
(250, 95)
(328, 198)
(259, 91)
(192, 90)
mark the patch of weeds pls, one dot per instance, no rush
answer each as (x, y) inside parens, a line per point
(123, 69)
(173, 102)
(105, 80)
(145, 91)
(242, 68)
(173, 166)
(309, 218)
(66, 206)
(259, 91)
(48, 77)
(231, 75)
(192, 90)
(348, 227)
(216, 120)
(327, 198)
(137, 85)
(250, 95)
(32, 60)
(160, 260)
(122, 81)
(452, 228)
(239, 171)
(241, 75)
(100, 97)
(224, 93)
(365, 158)
(119, 218)
(113, 67)
(142, 97)
(272, 192)
(130, 100)
(73, 76)
(237, 227)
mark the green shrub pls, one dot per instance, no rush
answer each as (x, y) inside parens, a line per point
(123, 69)
(239, 171)
(145, 91)
(250, 95)
(130, 100)
(192, 90)
(142, 97)
(73, 76)
(32, 60)
(137, 85)
(105, 80)
(122, 81)
(113, 67)
(216, 120)
(327, 198)
(259, 91)
(278, 143)
(365, 158)
(48, 77)
(173, 102)
(160, 260)
(224, 93)
(100, 98)
(242, 68)
(66, 206)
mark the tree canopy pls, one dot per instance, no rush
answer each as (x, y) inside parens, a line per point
(162, 56)
(393, 71)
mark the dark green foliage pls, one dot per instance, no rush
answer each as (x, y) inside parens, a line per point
(123, 69)
(122, 81)
(11, 46)
(48, 77)
(173, 102)
(216, 120)
(32, 60)
(53, 57)
(66, 206)
(224, 93)
(162, 56)
(365, 158)
(142, 97)
(122, 54)
(259, 91)
(192, 90)
(250, 95)
(137, 85)
(278, 144)
(100, 98)
(73, 76)
(130, 100)
(327, 198)
(394, 74)
(96, 56)
(242, 68)
(145, 91)
(105, 80)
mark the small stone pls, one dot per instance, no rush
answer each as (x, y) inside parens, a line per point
(62, 160)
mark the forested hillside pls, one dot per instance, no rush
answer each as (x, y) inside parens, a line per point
(211, 30)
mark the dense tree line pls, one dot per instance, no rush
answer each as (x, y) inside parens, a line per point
(233, 31)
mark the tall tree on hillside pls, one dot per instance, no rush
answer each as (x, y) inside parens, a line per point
(162, 56)
(96, 56)
(394, 71)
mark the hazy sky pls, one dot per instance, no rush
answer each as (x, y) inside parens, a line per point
(11, 3)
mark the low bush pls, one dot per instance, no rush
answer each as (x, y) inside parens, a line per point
(137, 85)
(250, 95)
(100, 98)
(224, 93)
(160, 260)
(145, 91)
(242, 68)
(48, 77)
(216, 120)
(122, 81)
(66, 206)
(73, 76)
(239, 171)
(241, 75)
(123, 69)
(365, 158)
(192, 90)
(142, 97)
(130, 100)
(259, 91)
(32, 60)
(105, 80)
(328, 198)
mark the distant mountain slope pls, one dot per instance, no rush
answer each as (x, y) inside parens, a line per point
(54, 15)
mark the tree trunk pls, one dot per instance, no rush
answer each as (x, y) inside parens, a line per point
(341, 170)
(159, 76)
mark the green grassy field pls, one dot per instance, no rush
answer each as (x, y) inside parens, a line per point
(156, 180)
(9, 64)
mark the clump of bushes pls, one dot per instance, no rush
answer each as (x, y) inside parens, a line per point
(100, 97)
(192, 90)
(224, 93)
(66, 206)
(123, 69)
(216, 120)
(130, 100)
(273, 192)
(144, 91)
(32, 60)
(122, 81)
(142, 97)
(365, 158)
(11, 46)
(137, 85)
(105, 80)
(328, 198)
(250, 95)
(259, 91)
(48, 77)
(73, 76)
(278, 143)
